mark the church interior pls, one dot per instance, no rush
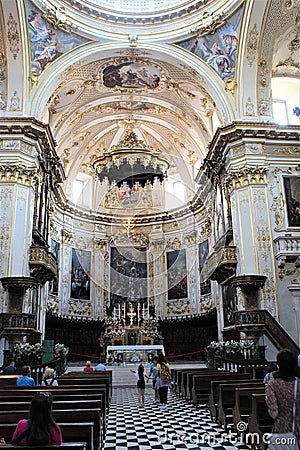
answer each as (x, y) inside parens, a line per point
(150, 174)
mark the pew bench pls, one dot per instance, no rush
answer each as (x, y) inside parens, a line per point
(259, 421)
(64, 446)
(243, 403)
(80, 431)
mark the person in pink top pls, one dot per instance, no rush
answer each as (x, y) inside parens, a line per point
(88, 367)
(40, 429)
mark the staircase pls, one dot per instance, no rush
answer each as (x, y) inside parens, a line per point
(261, 320)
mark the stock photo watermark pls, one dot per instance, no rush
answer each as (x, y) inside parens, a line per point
(241, 437)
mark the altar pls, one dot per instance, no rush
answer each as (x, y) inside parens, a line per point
(130, 354)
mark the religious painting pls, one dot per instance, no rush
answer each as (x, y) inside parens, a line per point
(203, 253)
(55, 250)
(130, 105)
(127, 195)
(292, 196)
(177, 274)
(132, 75)
(229, 303)
(128, 274)
(80, 274)
(46, 42)
(218, 49)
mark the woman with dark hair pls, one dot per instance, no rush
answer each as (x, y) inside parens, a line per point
(40, 429)
(140, 376)
(163, 379)
(280, 394)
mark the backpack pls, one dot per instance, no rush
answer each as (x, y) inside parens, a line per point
(165, 373)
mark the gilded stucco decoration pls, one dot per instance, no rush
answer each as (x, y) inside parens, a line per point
(277, 205)
(18, 174)
(252, 45)
(245, 177)
(249, 107)
(67, 237)
(81, 308)
(178, 307)
(53, 304)
(13, 36)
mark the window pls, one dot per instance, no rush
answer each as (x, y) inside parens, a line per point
(280, 112)
(81, 194)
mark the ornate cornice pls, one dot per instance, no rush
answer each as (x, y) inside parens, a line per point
(17, 284)
(238, 132)
(245, 177)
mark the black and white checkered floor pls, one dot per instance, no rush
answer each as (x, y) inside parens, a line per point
(180, 426)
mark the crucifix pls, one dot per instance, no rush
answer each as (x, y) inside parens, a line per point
(131, 313)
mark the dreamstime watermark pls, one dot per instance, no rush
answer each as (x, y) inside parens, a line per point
(242, 437)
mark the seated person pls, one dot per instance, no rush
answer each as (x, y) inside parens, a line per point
(25, 379)
(48, 378)
(40, 429)
(10, 370)
(88, 367)
(100, 367)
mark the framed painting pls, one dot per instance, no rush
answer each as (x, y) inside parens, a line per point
(132, 75)
(80, 274)
(177, 275)
(292, 197)
(55, 250)
(128, 274)
(203, 253)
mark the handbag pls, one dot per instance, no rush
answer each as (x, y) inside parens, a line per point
(286, 441)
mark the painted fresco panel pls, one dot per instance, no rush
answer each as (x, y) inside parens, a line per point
(128, 274)
(132, 75)
(218, 49)
(80, 274)
(177, 274)
(46, 42)
(292, 195)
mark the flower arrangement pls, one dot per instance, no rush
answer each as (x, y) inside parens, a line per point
(113, 329)
(149, 328)
(232, 346)
(24, 350)
(60, 350)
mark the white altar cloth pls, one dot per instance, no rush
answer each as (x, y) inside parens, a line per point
(133, 353)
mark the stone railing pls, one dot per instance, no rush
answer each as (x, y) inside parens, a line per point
(221, 264)
(287, 249)
(12, 323)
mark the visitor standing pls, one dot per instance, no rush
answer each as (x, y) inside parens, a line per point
(141, 385)
(152, 374)
(280, 394)
(163, 379)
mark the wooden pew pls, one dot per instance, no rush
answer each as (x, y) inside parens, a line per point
(214, 393)
(243, 403)
(62, 416)
(81, 432)
(64, 446)
(88, 382)
(202, 387)
(259, 420)
(179, 373)
(188, 380)
(227, 399)
(8, 380)
(65, 404)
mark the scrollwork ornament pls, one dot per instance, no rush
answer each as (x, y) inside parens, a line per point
(13, 36)
(252, 45)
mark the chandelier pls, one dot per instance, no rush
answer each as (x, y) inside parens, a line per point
(131, 161)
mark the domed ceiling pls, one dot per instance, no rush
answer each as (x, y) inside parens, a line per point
(160, 71)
